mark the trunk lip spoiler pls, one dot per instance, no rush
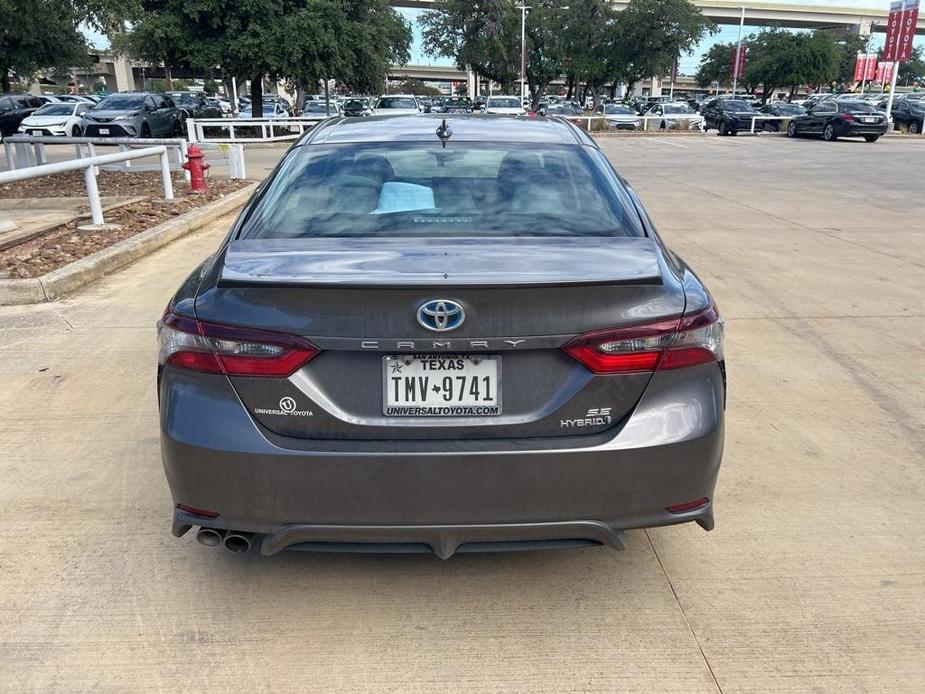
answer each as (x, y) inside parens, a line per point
(441, 263)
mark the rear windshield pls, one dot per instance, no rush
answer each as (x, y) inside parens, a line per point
(422, 190)
(397, 102)
(678, 108)
(616, 108)
(736, 105)
(858, 107)
(790, 109)
(501, 102)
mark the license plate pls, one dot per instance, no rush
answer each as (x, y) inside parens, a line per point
(104, 131)
(36, 132)
(441, 385)
(868, 120)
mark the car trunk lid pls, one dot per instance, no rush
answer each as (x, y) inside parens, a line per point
(358, 301)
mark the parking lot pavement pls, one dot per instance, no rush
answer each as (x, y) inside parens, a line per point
(814, 579)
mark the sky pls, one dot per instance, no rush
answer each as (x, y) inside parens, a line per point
(688, 63)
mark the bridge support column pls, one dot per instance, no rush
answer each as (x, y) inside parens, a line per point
(471, 82)
(864, 26)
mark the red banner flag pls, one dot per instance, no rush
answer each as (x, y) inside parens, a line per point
(860, 64)
(907, 29)
(738, 61)
(865, 67)
(893, 26)
(900, 30)
(885, 72)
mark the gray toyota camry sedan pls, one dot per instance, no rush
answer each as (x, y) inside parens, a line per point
(440, 334)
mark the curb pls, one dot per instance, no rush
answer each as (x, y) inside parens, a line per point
(66, 279)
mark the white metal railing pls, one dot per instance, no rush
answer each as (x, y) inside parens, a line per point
(627, 120)
(89, 166)
(271, 129)
(25, 156)
(645, 120)
(19, 154)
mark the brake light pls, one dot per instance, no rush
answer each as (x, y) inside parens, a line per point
(847, 116)
(668, 344)
(213, 348)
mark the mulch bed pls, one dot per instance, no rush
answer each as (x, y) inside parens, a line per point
(65, 244)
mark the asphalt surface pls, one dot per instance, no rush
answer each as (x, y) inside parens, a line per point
(814, 579)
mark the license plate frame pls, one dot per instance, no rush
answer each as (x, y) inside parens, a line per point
(104, 131)
(450, 409)
(36, 133)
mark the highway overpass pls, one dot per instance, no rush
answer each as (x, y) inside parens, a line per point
(795, 15)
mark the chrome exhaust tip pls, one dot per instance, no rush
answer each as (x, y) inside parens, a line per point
(210, 537)
(238, 542)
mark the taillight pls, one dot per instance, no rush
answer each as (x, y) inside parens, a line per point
(213, 348)
(668, 344)
(847, 116)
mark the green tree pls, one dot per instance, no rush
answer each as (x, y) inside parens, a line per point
(353, 41)
(481, 34)
(716, 65)
(42, 34)
(416, 86)
(778, 58)
(849, 44)
(546, 54)
(652, 34)
(912, 71)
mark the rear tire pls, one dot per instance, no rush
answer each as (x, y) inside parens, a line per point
(145, 130)
(76, 131)
(828, 133)
(871, 138)
(178, 128)
(915, 127)
(722, 129)
(791, 129)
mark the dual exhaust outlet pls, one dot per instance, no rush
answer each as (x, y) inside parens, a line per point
(233, 541)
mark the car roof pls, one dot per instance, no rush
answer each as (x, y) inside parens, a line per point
(464, 127)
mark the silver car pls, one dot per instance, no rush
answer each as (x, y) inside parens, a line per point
(442, 334)
(133, 114)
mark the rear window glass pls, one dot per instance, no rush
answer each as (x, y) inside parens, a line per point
(397, 102)
(858, 107)
(736, 105)
(423, 190)
(504, 102)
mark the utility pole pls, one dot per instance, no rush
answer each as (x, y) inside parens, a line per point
(735, 58)
(523, 49)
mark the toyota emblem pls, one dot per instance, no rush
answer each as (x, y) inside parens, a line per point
(441, 315)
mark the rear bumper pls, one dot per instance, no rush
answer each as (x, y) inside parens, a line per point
(857, 129)
(448, 494)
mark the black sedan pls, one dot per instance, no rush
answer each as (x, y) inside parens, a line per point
(831, 119)
(728, 116)
(909, 113)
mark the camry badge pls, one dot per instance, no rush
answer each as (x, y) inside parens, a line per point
(441, 315)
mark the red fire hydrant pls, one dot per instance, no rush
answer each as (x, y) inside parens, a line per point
(197, 169)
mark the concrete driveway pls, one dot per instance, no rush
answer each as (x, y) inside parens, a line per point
(814, 579)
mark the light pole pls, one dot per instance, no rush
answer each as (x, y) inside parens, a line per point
(523, 49)
(736, 58)
(523, 46)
